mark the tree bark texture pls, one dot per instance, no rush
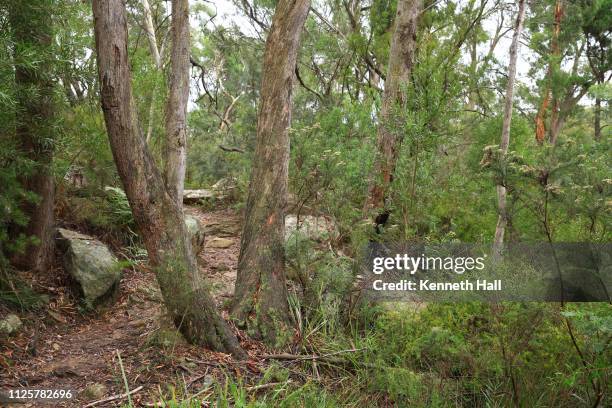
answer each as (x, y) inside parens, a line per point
(175, 160)
(554, 52)
(150, 31)
(157, 215)
(260, 300)
(502, 220)
(389, 133)
(156, 55)
(31, 25)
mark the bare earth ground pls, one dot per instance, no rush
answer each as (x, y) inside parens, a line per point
(63, 347)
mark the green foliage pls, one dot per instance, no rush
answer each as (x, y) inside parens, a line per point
(443, 188)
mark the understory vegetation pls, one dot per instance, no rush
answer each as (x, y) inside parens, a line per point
(342, 349)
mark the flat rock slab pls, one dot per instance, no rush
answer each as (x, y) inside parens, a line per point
(220, 243)
(90, 263)
(195, 196)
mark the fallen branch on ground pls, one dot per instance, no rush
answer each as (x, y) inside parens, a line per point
(114, 397)
(302, 357)
(264, 386)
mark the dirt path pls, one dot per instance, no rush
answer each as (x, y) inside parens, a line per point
(63, 348)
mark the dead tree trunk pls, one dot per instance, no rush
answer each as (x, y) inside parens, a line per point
(389, 134)
(30, 23)
(502, 220)
(157, 215)
(175, 160)
(260, 300)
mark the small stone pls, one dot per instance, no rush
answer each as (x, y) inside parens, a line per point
(56, 347)
(220, 243)
(94, 391)
(10, 324)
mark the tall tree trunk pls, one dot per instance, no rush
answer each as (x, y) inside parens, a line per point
(157, 215)
(175, 160)
(389, 134)
(554, 62)
(502, 220)
(260, 299)
(30, 22)
(555, 121)
(150, 31)
(156, 55)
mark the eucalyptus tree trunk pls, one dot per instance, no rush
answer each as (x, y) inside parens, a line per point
(502, 220)
(158, 216)
(554, 52)
(390, 129)
(150, 31)
(156, 55)
(260, 299)
(32, 34)
(175, 158)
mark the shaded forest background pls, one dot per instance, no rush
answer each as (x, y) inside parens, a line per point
(439, 183)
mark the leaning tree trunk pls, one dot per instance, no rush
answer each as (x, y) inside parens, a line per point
(390, 132)
(30, 23)
(175, 158)
(260, 300)
(157, 215)
(502, 220)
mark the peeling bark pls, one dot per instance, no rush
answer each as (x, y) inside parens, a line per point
(260, 299)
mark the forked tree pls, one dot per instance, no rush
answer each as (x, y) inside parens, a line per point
(156, 211)
(260, 299)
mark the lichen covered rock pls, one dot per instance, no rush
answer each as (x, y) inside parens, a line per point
(90, 263)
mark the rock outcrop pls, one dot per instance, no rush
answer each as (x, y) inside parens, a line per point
(312, 227)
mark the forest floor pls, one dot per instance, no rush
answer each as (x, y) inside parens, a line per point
(62, 347)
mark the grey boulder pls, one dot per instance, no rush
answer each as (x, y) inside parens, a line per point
(90, 263)
(196, 233)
